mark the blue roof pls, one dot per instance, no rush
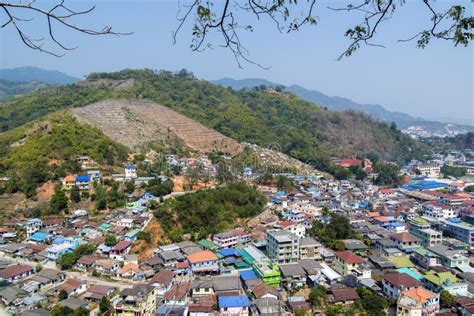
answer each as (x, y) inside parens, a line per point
(83, 178)
(39, 236)
(281, 193)
(455, 220)
(424, 185)
(130, 167)
(411, 273)
(233, 301)
(248, 275)
(229, 252)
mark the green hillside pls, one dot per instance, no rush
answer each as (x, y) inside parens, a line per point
(209, 211)
(268, 118)
(46, 149)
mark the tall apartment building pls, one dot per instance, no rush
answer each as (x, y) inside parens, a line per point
(282, 246)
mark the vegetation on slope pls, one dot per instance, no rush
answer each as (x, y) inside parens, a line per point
(267, 118)
(47, 149)
(209, 211)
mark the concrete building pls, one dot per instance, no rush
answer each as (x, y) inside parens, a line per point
(282, 246)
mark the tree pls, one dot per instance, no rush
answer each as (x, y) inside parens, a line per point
(67, 261)
(38, 267)
(388, 174)
(75, 194)
(223, 18)
(194, 175)
(104, 304)
(371, 302)
(318, 296)
(58, 201)
(447, 300)
(83, 250)
(63, 295)
(284, 183)
(452, 171)
(469, 188)
(129, 187)
(110, 240)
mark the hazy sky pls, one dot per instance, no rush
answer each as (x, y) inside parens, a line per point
(434, 83)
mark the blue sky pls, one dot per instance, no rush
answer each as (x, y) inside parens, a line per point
(434, 83)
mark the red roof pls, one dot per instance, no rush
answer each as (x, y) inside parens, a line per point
(349, 257)
(14, 270)
(404, 237)
(124, 244)
(401, 280)
(287, 223)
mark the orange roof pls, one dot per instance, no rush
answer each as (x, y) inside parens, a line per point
(70, 178)
(373, 214)
(456, 184)
(201, 256)
(419, 294)
(131, 266)
(382, 219)
(385, 190)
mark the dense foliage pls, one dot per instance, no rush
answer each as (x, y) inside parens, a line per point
(69, 259)
(209, 211)
(268, 118)
(451, 171)
(387, 174)
(47, 149)
(334, 228)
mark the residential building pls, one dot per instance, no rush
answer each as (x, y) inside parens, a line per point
(459, 230)
(429, 169)
(428, 237)
(232, 238)
(140, 300)
(297, 229)
(309, 248)
(204, 261)
(83, 182)
(439, 281)
(269, 273)
(346, 262)
(120, 250)
(69, 181)
(73, 287)
(418, 302)
(234, 305)
(32, 226)
(405, 241)
(162, 281)
(393, 284)
(439, 210)
(282, 246)
(16, 272)
(131, 172)
(449, 257)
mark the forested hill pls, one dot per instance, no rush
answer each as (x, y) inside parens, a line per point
(279, 120)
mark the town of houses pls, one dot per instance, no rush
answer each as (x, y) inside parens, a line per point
(414, 242)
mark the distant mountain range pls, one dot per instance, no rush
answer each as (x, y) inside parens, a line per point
(27, 74)
(403, 120)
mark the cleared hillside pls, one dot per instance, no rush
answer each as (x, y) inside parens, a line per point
(134, 123)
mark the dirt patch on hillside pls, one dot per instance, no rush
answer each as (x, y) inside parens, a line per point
(45, 192)
(135, 123)
(144, 249)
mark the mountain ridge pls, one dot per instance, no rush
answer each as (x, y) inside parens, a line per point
(337, 103)
(30, 73)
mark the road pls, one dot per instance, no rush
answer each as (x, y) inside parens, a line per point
(75, 274)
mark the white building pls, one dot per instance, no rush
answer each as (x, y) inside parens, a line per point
(32, 226)
(282, 246)
(130, 172)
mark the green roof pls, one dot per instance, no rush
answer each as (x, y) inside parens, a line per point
(246, 257)
(419, 220)
(401, 262)
(208, 244)
(132, 233)
(105, 226)
(438, 278)
(425, 252)
(241, 265)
